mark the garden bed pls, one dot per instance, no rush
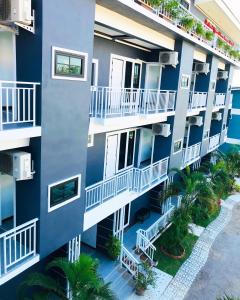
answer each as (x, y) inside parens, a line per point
(206, 222)
(168, 264)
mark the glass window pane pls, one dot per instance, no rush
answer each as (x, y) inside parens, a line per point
(63, 192)
(68, 65)
(62, 59)
(130, 155)
(136, 76)
(122, 151)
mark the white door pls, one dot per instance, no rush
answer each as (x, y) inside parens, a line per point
(111, 155)
(153, 76)
(116, 83)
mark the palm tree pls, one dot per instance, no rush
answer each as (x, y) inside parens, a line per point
(83, 279)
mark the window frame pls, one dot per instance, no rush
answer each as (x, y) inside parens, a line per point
(95, 77)
(177, 141)
(50, 209)
(188, 77)
(70, 53)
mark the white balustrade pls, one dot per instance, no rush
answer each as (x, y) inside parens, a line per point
(133, 179)
(219, 99)
(191, 153)
(18, 245)
(129, 261)
(108, 102)
(145, 245)
(214, 142)
(17, 103)
(197, 100)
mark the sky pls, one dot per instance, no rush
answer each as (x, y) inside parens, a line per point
(234, 5)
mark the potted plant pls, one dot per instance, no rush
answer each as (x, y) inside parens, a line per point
(188, 22)
(145, 277)
(220, 43)
(113, 246)
(156, 3)
(172, 7)
(200, 30)
(209, 35)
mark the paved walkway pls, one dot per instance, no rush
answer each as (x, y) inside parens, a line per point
(221, 274)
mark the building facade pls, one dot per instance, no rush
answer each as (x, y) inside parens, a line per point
(98, 102)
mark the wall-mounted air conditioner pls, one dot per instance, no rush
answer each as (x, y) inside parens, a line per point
(202, 68)
(222, 75)
(196, 120)
(217, 116)
(17, 164)
(168, 58)
(16, 11)
(161, 129)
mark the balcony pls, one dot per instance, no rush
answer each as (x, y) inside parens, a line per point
(17, 250)
(212, 43)
(121, 188)
(191, 154)
(214, 142)
(197, 102)
(142, 106)
(219, 101)
(18, 113)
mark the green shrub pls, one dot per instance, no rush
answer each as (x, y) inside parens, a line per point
(188, 22)
(220, 43)
(199, 29)
(113, 247)
(172, 7)
(209, 35)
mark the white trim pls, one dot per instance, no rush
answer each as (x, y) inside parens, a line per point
(233, 141)
(96, 63)
(180, 140)
(235, 111)
(68, 51)
(189, 82)
(50, 209)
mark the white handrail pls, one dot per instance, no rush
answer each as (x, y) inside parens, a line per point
(17, 103)
(129, 261)
(109, 102)
(197, 100)
(191, 153)
(18, 244)
(214, 142)
(145, 245)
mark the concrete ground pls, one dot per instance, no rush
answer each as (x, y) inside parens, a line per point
(221, 274)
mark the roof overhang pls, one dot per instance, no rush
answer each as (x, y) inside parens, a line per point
(220, 13)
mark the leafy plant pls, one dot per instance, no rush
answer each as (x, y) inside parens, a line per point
(155, 3)
(82, 276)
(209, 35)
(113, 246)
(188, 22)
(172, 7)
(227, 47)
(220, 43)
(226, 297)
(145, 277)
(199, 29)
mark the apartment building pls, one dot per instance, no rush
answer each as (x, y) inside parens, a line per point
(98, 102)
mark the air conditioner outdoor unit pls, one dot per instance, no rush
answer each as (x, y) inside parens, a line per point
(16, 11)
(202, 68)
(17, 164)
(168, 58)
(217, 116)
(196, 120)
(222, 75)
(162, 129)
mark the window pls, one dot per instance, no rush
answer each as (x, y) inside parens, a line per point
(185, 81)
(213, 85)
(90, 140)
(185, 3)
(177, 146)
(206, 134)
(126, 149)
(68, 64)
(63, 192)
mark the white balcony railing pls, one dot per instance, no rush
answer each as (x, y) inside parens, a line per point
(214, 142)
(197, 100)
(134, 179)
(107, 102)
(17, 104)
(219, 99)
(17, 245)
(191, 153)
(129, 261)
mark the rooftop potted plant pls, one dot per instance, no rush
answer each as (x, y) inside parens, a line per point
(188, 22)
(113, 246)
(172, 7)
(145, 277)
(220, 43)
(209, 35)
(200, 30)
